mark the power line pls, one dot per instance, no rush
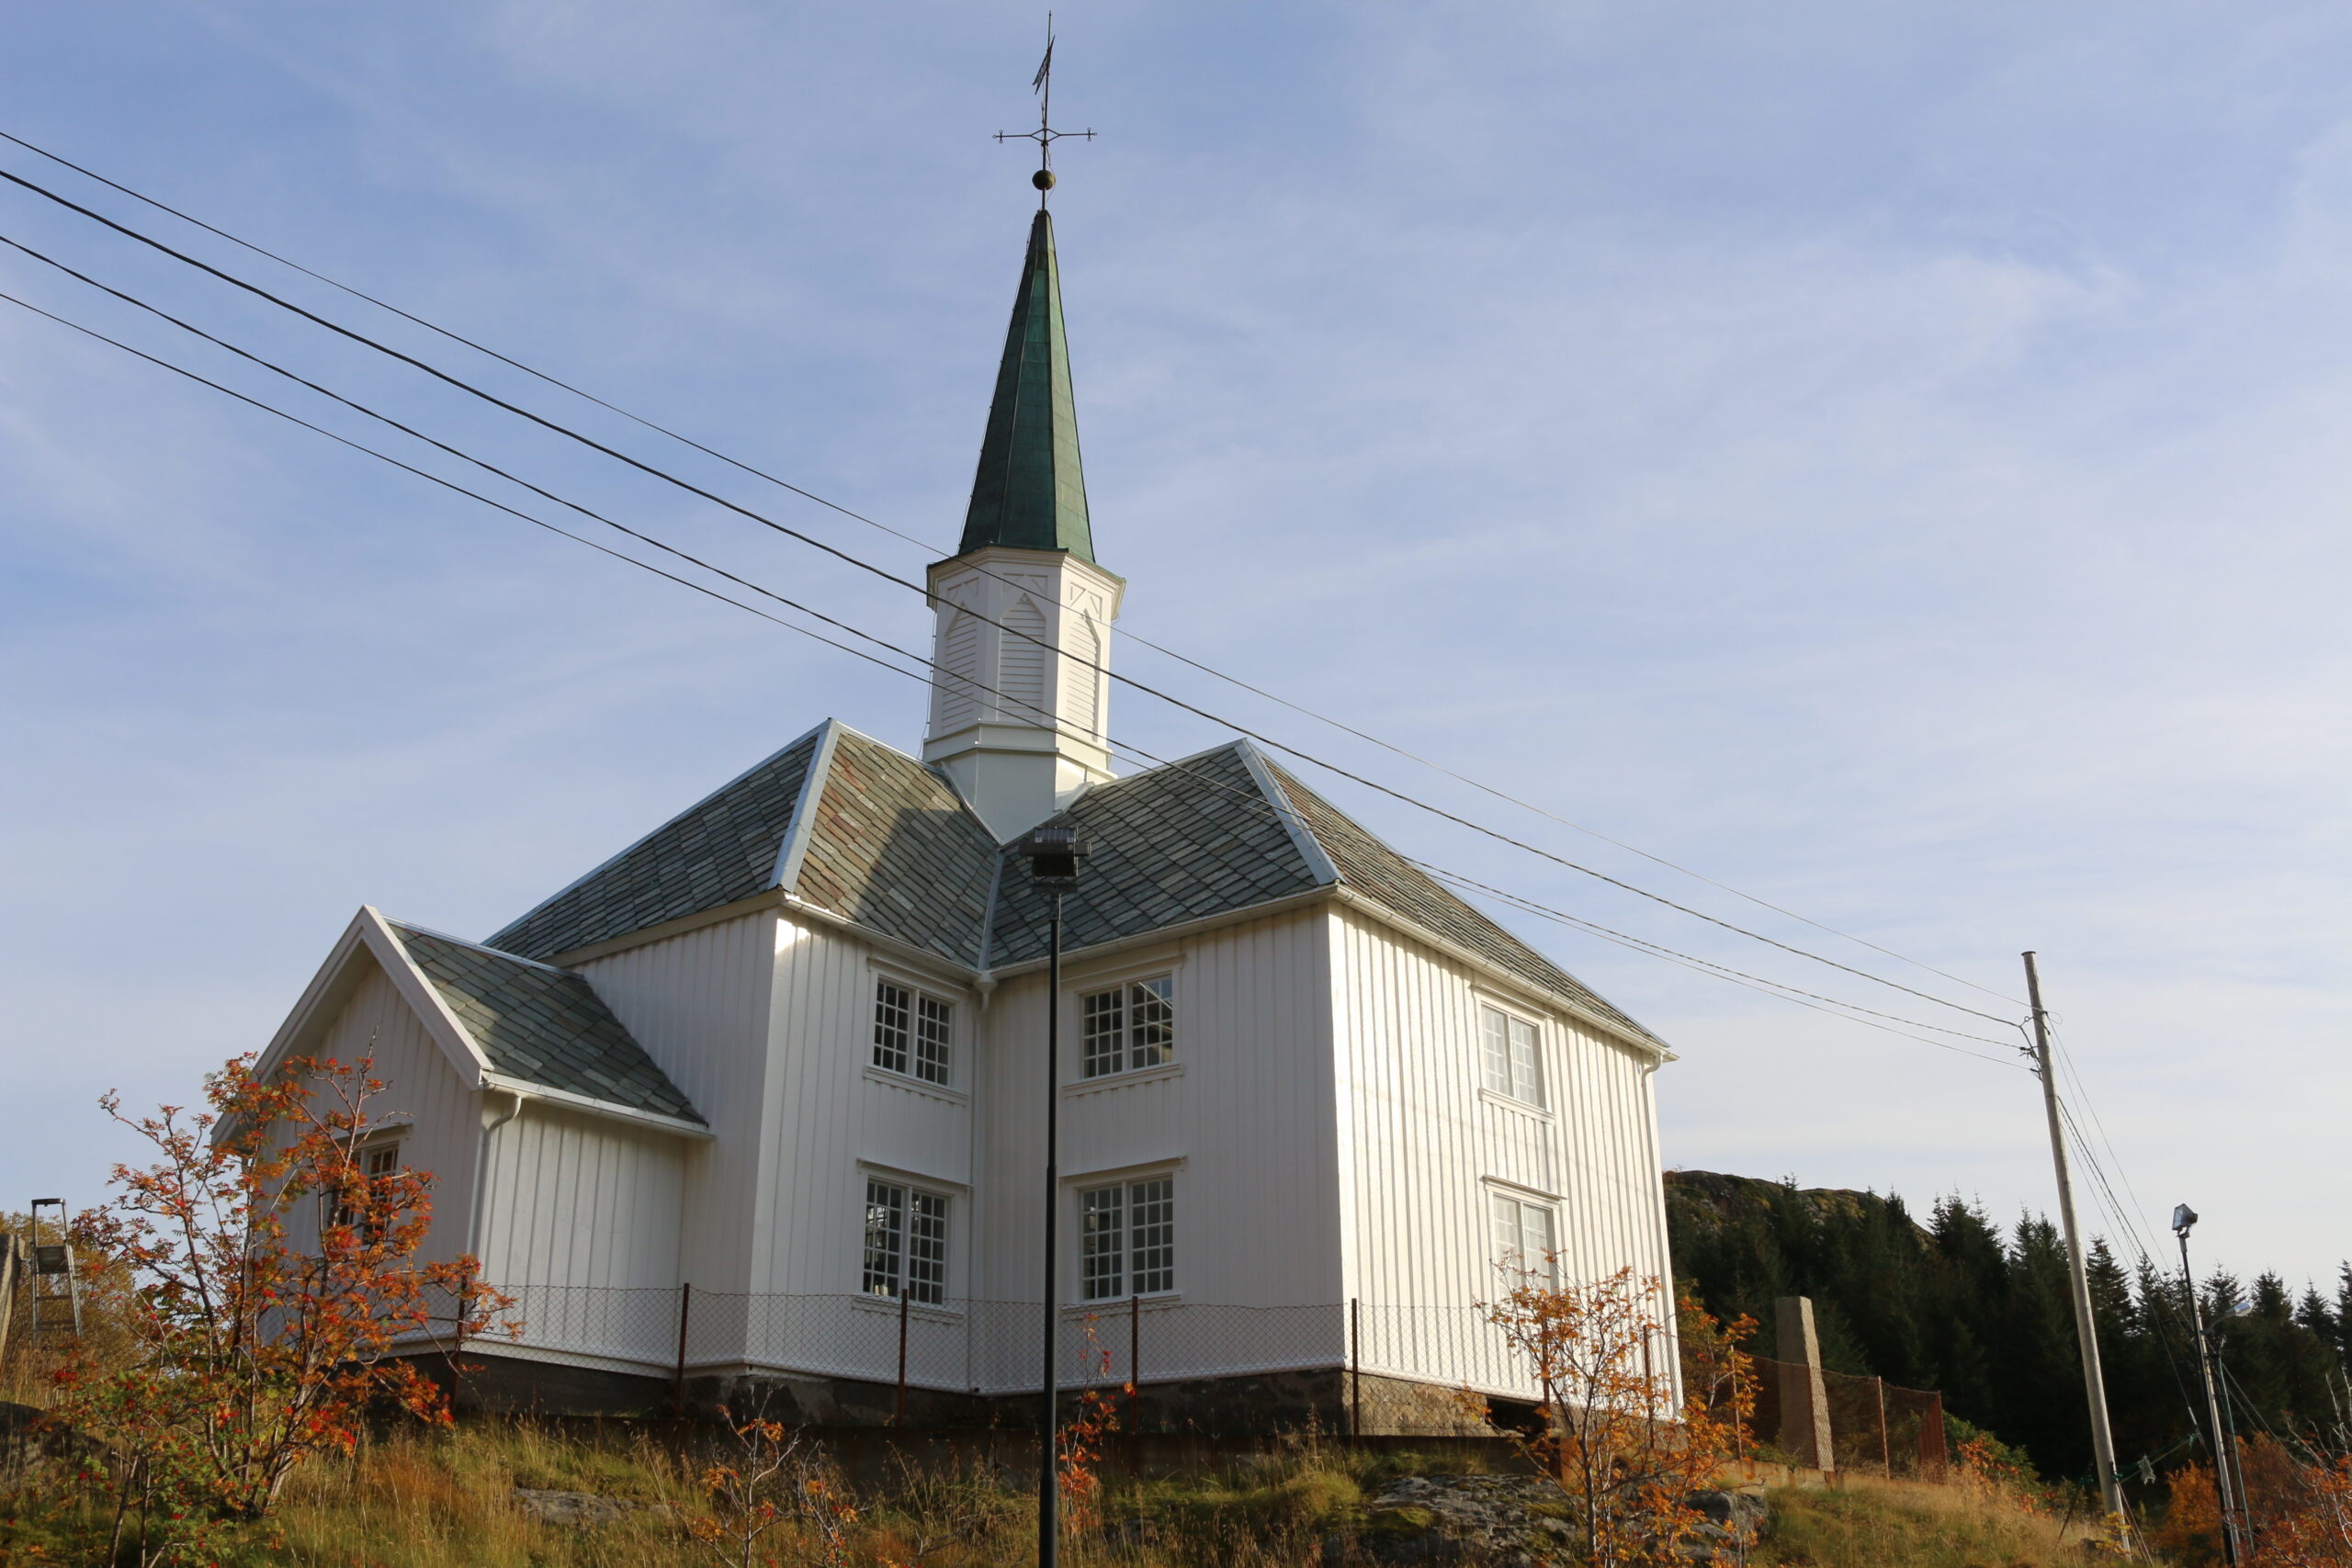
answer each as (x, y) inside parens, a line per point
(1719, 971)
(925, 545)
(1737, 977)
(888, 576)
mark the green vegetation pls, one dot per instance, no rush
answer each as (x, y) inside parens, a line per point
(1982, 1315)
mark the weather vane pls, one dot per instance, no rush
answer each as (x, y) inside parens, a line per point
(1044, 136)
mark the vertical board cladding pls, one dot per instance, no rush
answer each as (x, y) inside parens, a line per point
(1242, 1117)
(697, 1002)
(1021, 665)
(1427, 1144)
(834, 1117)
(582, 1201)
(422, 1089)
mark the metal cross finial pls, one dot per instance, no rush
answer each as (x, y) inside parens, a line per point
(1044, 136)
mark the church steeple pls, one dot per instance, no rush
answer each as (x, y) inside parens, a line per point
(1024, 638)
(1030, 491)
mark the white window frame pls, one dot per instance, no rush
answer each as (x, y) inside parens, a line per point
(1143, 1024)
(1510, 1056)
(1523, 1237)
(912, 1256)
(378, 1156)
(1141, 1257)
(924, 1046)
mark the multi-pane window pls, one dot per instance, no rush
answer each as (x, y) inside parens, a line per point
(911, 1032)
(376, 1161)
(906, 1243)
(1522, 1236)
(1514, 1066)
(1129, 1028)
(1127, 1239)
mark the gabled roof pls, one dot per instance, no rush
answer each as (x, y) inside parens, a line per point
(540, 1024)
(1030, 491)
(723, 847)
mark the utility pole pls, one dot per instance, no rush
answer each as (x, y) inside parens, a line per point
(2110, 1491)
(2224, 1442)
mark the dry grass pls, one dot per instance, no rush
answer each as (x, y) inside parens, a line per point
(1900, 1525)
(420, 1499)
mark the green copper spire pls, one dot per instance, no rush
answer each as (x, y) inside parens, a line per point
(1030, 492)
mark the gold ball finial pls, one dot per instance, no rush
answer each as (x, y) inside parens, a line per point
(1043, 179)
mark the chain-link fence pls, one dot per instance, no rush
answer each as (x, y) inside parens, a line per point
(992, 1349)
(1357, 1367)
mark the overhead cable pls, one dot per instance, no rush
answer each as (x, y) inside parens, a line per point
(888, 576)
(930, 671)
(873, 523)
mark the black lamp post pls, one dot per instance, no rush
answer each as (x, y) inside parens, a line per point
(1053, 852)
(2225, 1487)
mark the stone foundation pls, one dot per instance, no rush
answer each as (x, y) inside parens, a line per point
(1329, 1400)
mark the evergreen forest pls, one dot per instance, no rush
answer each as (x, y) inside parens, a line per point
(1982, 1314)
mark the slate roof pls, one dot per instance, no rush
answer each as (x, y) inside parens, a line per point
(891, 847)
(1182, 842)
(1385, 877)
(719, 849)
(543, 1025)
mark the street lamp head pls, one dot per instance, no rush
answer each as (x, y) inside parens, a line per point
(2183, 1216)
(1053, 852)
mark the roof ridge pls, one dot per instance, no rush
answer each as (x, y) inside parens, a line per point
(407, 927)
(667, 823)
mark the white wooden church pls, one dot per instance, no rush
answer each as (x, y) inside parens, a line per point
(763, 1094)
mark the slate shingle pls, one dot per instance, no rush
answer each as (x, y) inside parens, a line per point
(720, 848)
(546, 1026)
(1380, 873)
(892, 848)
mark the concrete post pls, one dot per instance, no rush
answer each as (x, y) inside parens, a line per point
(1805, 1397)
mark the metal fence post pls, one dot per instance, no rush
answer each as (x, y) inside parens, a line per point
(1135, 1343)
(1355, 1366)
(906, 1297)
(678, 1376)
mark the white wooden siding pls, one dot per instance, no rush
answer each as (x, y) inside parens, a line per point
(1246, 1120)
(1425, 1143)
(698, 1003)
(376, 1022)
(832, 1120)
(578, 1202)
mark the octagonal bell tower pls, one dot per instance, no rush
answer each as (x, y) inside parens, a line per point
(1023, 638)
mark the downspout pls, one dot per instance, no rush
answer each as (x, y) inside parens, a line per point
(481, 1170)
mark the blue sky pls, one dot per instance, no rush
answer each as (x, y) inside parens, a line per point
(1888, 458)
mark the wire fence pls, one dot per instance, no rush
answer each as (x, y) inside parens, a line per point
(984, 1346)
(1372, 1367)
(1876, 1427)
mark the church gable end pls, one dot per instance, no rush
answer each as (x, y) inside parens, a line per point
(722, 849)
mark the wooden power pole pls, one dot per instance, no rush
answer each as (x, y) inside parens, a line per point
(2086, 1325)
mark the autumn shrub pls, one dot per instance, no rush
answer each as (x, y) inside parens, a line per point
(232, 1337)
